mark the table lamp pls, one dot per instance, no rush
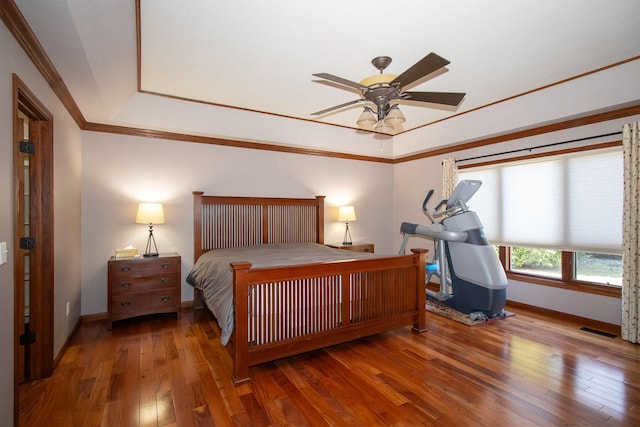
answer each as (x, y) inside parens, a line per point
(346, 214)
(150, 213)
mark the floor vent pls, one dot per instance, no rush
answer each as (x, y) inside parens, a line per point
(597, 332)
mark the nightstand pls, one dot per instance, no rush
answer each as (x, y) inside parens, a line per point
(358, 247)
(140, 286)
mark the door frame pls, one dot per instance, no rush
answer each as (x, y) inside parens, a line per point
(41, 258)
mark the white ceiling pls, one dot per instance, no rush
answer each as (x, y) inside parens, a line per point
(260, 55)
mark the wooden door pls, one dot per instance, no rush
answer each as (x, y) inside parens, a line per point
(33, 237)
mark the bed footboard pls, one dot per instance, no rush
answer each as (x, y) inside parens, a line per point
(280, 312)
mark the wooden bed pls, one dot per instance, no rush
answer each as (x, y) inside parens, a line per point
(345, 300)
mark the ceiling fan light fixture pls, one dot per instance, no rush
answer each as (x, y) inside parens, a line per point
(367, 118)
(383, 127)
(394, 116)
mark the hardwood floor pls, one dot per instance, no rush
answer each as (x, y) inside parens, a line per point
(523, 370)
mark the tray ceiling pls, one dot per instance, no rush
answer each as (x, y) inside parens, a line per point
(260, 56)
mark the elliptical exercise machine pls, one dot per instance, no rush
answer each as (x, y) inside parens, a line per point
(472, 280)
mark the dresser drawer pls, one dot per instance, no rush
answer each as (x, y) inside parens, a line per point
(126, 269)
(120, 285)
(357, 247)
(360, 247)
(161, 300)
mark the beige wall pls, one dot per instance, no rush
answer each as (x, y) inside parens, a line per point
(120, 171)
(67, 170)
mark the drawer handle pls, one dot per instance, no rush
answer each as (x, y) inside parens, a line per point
(165, 298)
(165, 280)
(125, 269)
(125, 285)
(125, 303)
(165, 265)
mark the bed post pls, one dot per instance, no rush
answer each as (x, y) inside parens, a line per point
(420, 326)
(320, 223)
(197, 240)
(197, 224)
(241, 344)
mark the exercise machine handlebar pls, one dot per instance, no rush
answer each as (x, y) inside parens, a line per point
(424, 205)
(435, 231)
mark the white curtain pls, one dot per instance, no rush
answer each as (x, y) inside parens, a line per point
(630, 327)
(449, 176)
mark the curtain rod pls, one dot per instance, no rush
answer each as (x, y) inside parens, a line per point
(540, 146)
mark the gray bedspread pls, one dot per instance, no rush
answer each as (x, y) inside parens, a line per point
(213, 275)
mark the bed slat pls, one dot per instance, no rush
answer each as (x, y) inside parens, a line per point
(306, 307)
(230, 222)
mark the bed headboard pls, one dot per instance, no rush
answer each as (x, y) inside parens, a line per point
(228, 222)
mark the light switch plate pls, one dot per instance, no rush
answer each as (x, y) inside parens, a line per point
(3, 253)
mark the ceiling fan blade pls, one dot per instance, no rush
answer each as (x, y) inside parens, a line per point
(426, 65)
(446, 98)
(336, 107)
(340, 80)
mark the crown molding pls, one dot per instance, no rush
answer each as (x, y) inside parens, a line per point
(19, 28)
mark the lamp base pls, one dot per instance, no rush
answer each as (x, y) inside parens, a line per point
(150, 241)
(347, 236)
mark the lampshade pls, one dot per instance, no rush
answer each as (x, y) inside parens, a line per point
(150, 213)
(346, 213)
(394, 116)
(383, 127)
(367, 118)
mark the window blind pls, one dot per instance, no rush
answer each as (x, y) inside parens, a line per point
(570, 202)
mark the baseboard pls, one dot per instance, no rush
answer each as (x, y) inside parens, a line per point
(561, 316)
(185, 305)
(566, 317)
(93, 317)
(64, 347)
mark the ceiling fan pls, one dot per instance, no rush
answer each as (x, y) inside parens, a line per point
(381, 89)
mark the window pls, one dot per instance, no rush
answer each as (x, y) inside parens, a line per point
(599, 268)
(543, 262)
(558, 217)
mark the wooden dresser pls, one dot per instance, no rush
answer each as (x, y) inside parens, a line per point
(140, 286)
(358, 247)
